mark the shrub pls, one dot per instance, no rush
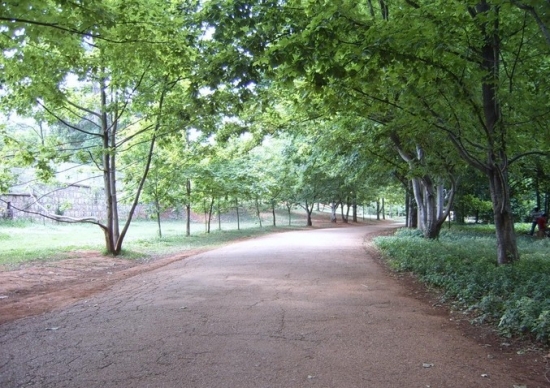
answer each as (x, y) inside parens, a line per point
(462, 263)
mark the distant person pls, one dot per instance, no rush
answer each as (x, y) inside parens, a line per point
(535, 214)
(541, 222)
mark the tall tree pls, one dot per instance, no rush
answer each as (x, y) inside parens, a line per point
(472, 74)
(126, 64)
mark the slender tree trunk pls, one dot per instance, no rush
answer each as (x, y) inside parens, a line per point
(112, 142)
(210, 212)
(158, 223)
(258, 213)
(219, 216)
(407, 209)
(238, 217)
(538, 174)
(205, 215)
(107, 180)
(289, 209)
(273, 212)
(157, 211)
(188, 208)
(354, 206)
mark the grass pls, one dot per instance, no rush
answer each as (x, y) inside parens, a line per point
(26, 241)
(462, 263)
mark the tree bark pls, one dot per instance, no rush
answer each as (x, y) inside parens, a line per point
(219, 216)
(258, 213)
(209, 215)
(110, 236)
(273, 213)
(333, 208)
(497, 160)
(354, 206)
(188, 208)
(344, 215)
(157, 206)
(432, 210)
(289, 209)
(238, 217)
(309, 211)
(507, 251)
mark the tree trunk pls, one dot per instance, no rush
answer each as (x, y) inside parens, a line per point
(333, 208)
(273, 213)
(219, 216)
(258, 214)
(188, 208)
(344, 215)
(309, 211)
(507, 250)
(205, 215)
(209, 215)
(289, 209)
(497, 160)
(432, 210)
(238, 217)
(108, 181)
(348, 208)
(158, 219)
(112, 176)
(428, 193)
(407, 209)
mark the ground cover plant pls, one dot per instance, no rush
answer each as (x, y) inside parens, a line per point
(461, 263)
(24, 241)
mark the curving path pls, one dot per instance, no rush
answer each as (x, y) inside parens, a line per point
(295, 309)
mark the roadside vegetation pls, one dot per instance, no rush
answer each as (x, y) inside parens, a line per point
(461, 264)
(24, 241)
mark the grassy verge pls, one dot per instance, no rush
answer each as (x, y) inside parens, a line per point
(26, 242)
(462, 264)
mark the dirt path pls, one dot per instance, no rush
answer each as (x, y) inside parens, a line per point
(296, 309)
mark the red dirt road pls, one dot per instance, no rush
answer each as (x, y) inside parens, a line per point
(297, 309)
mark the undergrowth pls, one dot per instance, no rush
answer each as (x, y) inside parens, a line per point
(462, 263)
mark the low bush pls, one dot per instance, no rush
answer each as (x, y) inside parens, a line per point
(462, 264)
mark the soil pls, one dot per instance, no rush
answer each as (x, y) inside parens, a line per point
(38, 288)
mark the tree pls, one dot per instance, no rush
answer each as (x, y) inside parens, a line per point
(471, 74)
(123, 83)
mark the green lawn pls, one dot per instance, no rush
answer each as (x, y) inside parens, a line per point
(47, 240)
